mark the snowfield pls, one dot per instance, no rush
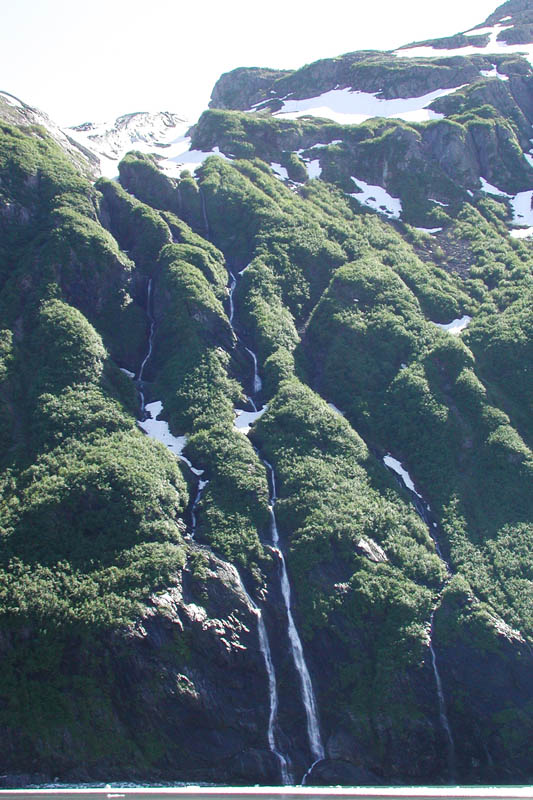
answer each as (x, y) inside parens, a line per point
(352, 107)
(500, 48)
(162, 134)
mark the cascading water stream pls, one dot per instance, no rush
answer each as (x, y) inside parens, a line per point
(258, 383)
(308, 695)
(176, 445)
(264, 645)
(204, 213)
(424, 512)
(148, 355)
(443, 716)
(306, 686)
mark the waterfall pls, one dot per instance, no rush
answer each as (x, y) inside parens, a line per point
(264, 646)
(424, 512)
(306, 686)
(232, 285)
(204, 213)
(443, 716)
(150, 343)
(199, 492)
(258, 383)
(308, 695)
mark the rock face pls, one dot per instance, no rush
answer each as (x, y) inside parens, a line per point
(17, 112)
(183, 691)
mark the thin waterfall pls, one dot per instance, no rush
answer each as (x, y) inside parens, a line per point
(199, 493)
(308, 695)
(232, 285)
(443, 716)
(148, 355)
(306, 686)
(258, 383)
(264, 646)
(204, 213)
(424, 512)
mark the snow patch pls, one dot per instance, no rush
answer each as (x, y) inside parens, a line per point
(455, 326)
(159, 430)
(493, 73)
(11, 100)
(319, 145)
(314, 170)
(127, 372)
(429, 230)
(490, 189)
(280, 171)
(162, 134)
(501, 48)
(353, 107)
(396, 466)
(438, 202)
(336, 410)
(529, 159)
(378, 198)
(245, 419)
(372, 550)
(521, 233)
(522, 210)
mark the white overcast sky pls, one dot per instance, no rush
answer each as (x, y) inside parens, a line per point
(97, 59)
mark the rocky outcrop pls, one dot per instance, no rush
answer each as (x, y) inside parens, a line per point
(485, 667)
(181, 694)
(16, 112)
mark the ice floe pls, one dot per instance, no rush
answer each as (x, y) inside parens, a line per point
(396, 466)
(378, 198)
(456, 325)
(347, 106)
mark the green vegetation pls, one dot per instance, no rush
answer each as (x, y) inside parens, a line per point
(339, 305)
